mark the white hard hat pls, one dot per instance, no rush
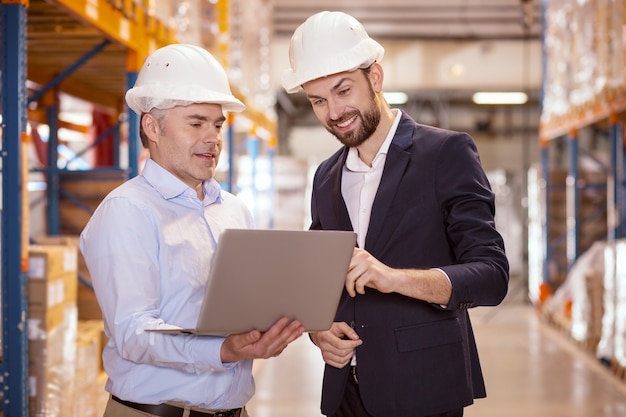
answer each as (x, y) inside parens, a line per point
(328, 43)
(180, 74)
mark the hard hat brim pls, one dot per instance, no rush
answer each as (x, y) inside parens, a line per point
(363, 55)
(144, 98)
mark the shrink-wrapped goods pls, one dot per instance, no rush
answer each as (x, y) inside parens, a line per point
(584, 59)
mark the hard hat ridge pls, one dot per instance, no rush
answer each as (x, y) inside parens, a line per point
(181, 74)
(328, 43)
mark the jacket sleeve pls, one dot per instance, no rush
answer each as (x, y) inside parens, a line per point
(480, 275)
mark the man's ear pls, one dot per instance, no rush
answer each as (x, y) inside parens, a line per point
(376, 77)
(150, 127)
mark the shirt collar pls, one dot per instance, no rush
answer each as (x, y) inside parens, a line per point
(354, 163)
(169, 186)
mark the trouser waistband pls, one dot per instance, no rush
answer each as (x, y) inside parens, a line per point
(167, 410)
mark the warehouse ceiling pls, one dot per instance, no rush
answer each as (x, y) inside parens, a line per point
(90, 65)
(456, 21)
(423, 19)
(57, 40)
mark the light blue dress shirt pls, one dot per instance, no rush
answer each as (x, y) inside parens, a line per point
(149, 247)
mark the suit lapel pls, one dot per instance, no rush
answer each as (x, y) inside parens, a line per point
(334, 213)
(395, 164)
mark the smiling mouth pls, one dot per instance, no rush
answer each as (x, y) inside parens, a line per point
(207, 155)
(346, 123)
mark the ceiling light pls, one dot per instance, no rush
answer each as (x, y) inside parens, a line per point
(511, 97)
(395, 97)
(456, 70)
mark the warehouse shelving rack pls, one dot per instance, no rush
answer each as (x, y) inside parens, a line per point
(78, 47)
(75, 46)
(606, 111)
(609, 115)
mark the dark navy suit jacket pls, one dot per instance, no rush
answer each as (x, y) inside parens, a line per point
(434, 209)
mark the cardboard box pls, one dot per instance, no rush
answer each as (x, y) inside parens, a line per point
(51, 261)
(42, 320)
(51, 360)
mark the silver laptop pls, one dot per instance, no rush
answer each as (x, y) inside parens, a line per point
(261, 275)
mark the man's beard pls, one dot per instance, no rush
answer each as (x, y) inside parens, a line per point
(369, 123)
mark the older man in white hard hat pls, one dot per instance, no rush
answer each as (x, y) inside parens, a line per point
(149, 247)
(402, 343)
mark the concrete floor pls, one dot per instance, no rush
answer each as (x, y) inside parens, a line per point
(531, 370)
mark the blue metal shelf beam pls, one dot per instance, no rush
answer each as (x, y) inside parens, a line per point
(14, 366)
(616, 193)
(134, 143)
(68, 71)
(53, 180)
(53, 210)
(622, 180)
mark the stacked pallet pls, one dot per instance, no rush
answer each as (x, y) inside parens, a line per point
(65, 353)
(585, 55)
(577, 307)
(592, 187)
(612, 345)
(590, 305)
(52, 327)
(89, 395)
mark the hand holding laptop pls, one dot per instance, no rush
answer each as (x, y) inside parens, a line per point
(254, 344)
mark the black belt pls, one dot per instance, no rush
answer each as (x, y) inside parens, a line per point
(167, 410)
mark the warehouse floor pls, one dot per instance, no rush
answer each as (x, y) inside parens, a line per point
(530, 367)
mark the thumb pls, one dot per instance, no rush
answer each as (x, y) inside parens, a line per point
(344, 330)
(253, 337)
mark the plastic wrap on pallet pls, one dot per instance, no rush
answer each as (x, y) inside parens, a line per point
(588, 291)
(87, 389)
(536, 218)
(51, 363)
(584, 55)
(620, 305)
(577, 303)
(587, 276)
(612, 345)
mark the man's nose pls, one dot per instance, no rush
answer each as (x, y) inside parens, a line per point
(335, 109)
(211, 136)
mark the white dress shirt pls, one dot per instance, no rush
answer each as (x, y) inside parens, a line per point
(149, 247)
(359, 183)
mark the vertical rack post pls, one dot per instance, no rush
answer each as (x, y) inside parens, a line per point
(545, 290)
(230, 140)
(619, 163)
(14, 365)
(573, 200)
(134, 143)
(52, 171)
(614, 193)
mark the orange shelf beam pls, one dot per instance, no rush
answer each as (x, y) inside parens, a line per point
(125, 21)
(602, 109)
